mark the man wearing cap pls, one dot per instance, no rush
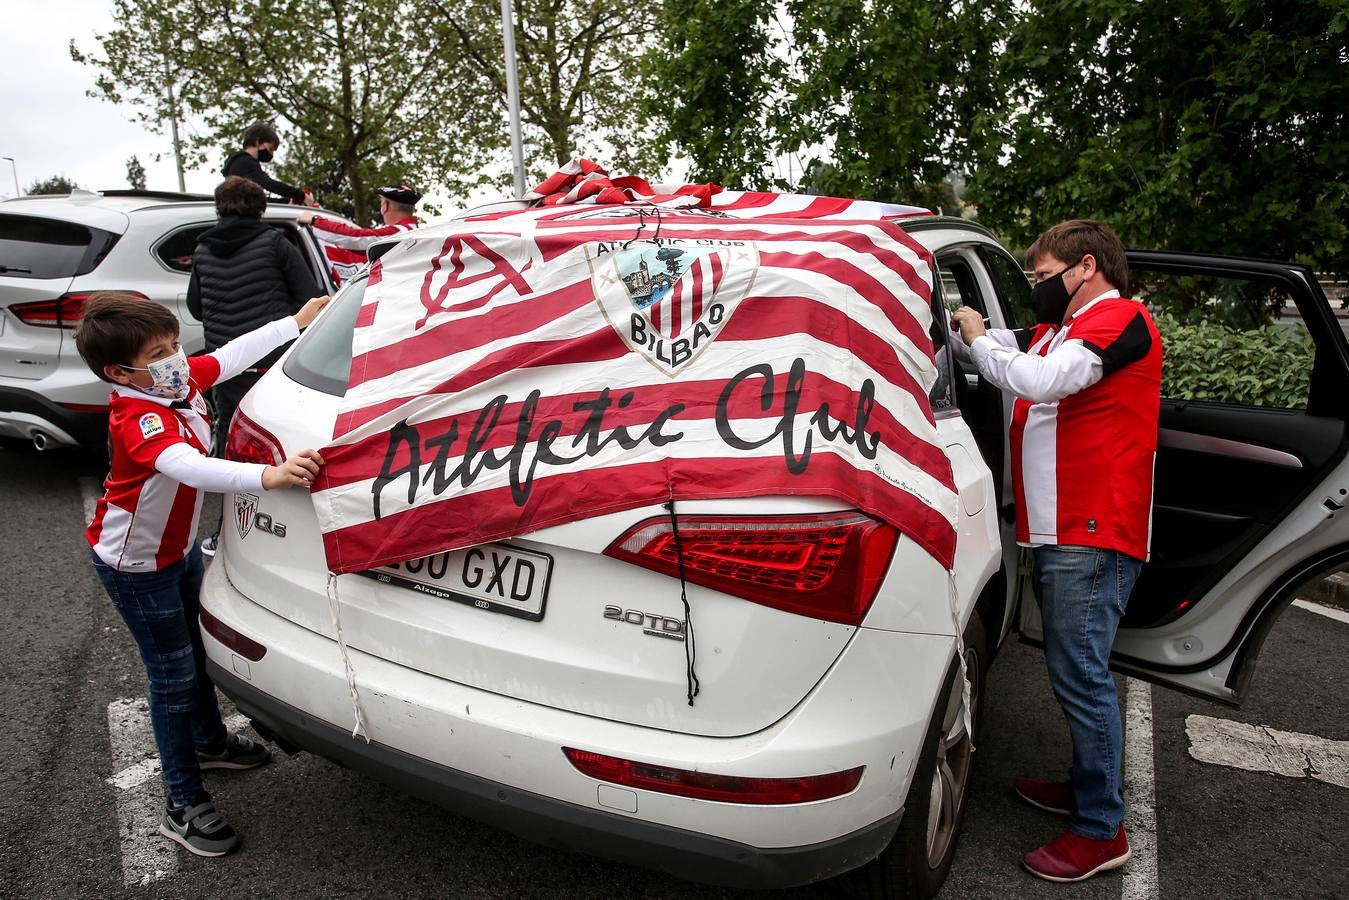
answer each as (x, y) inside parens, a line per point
(397, 206)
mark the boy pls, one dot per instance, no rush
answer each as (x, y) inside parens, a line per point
(142, 538)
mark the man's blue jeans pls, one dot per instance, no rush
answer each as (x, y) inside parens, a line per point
(161, 609)
(1083, 592)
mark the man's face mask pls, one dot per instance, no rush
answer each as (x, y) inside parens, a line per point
(169, 375)
(1051, 298)
(264, 155)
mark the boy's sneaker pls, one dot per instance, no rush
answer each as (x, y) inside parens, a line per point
(239, 752)
(1072, 857)
(199, 828)
(209, 545)
(1051, 796)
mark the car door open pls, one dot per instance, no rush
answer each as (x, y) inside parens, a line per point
(1251, 474)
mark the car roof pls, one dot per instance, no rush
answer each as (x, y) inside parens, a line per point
(928, 229)
(110, 209)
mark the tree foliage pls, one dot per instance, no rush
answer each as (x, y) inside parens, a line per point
(709, 90)
(576, 65)
(360, 94)
(869, 93)
(135, 174)
(886, 85)
(1191, 124)
(52, 184)
(367, 92)
(1268, 366)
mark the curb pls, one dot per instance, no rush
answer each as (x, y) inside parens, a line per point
(1331, 591)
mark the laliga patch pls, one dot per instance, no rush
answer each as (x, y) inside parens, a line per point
(151, 425)
(669, 301)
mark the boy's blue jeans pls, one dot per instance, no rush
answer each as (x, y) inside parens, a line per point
(1082, 593)
(161, 609)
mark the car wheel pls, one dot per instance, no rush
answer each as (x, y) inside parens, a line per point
(919, 857)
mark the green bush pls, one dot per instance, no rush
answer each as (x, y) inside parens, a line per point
(1269, 366)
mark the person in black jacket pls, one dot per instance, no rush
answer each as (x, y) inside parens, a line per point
(260, 143)
(245, 273)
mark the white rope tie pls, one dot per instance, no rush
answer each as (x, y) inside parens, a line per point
(965, 692)
(334, 607)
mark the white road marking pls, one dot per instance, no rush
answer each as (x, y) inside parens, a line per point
(146, 857)
(1257, 748)
(148, 769)
(1140, 873)
(90, 490)
(1329, 612)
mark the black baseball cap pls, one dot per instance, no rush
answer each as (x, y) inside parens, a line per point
(400, 194)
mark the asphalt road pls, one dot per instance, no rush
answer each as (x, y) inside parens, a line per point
(313, 829)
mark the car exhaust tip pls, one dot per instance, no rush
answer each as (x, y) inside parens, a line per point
(42, 441)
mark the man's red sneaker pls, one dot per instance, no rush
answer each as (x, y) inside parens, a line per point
(1051, 796)
(1072, 857)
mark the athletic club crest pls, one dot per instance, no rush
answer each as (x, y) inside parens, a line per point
(669, 301)
(245, 505)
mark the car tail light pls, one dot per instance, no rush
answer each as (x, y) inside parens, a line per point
(246, 647)
(828, 567)
(705, 786)
(250, 442)
(65, 311)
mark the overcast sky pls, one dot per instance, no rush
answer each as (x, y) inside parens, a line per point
(50, 126)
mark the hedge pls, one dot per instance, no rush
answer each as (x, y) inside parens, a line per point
(1269, 366)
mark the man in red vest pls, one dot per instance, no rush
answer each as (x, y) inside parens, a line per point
(1087, 381)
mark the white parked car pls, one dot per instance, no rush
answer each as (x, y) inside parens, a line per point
(58, 250)
(529, 683)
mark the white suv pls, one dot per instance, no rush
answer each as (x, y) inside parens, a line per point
(57, 250)
(528, 683)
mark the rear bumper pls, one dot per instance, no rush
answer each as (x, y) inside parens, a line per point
(499, 758)
(23, 413)
(561, 825)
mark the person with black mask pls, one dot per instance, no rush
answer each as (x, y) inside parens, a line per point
(244, 274)
(260, 144)
(1087, 386)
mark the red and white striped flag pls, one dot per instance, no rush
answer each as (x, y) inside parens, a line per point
(522, 372)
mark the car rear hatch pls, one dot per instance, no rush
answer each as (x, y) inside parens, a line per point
(549, 618)
(40, 257)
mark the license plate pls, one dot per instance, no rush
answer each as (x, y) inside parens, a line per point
(495, 577)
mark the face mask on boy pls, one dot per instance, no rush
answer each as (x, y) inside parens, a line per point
(169, 375)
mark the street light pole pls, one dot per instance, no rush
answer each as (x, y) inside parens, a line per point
(15, 170)
(513, 97)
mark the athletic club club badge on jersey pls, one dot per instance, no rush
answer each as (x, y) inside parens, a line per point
(669, 301)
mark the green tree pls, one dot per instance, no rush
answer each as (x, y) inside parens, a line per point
(709, 89)
(576, 62)
(366, 92)
(53, 184)
(135, 174)
(885, 86)
(1206, 126)
(874, 93)
(359, 91)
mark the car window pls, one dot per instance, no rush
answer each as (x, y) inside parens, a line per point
(175, 251)
(942, 396)
(32, 247)
(1228, 340)
(322, 357)
(1011, 285)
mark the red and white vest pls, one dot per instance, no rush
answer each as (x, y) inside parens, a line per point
(1082, 467)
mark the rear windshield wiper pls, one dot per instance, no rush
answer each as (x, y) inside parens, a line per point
(15, 269)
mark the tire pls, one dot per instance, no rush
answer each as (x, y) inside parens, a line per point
(915, 864)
